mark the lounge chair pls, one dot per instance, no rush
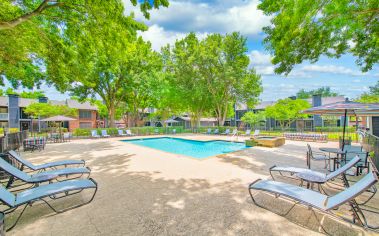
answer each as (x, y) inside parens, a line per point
(121, 133)
(174, 131)
(40, 177)
(316, 200)
(235, 132)
(227, 131)
(209, 131)
(321, 177)
(216, 131)
(45, 166)
(256, 132)
(104, 134)
(247, 133)
(94, 134)
(129, 132)
(363, 162)
(53, 191)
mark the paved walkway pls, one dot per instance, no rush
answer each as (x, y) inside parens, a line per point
(144, 191)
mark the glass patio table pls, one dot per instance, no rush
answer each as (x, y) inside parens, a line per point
(339, 153)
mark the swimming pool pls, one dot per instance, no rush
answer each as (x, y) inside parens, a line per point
(192, 148)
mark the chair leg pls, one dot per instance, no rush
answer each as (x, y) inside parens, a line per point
(18, 218)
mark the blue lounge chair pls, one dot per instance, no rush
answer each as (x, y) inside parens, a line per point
(94, 134)
(316, 200)
(121, 133)
(40, 177)
(209, 131)
(216, 131)
(247, 133)
(227, 131)
(45, 166)
(104, 134)
(53, 191)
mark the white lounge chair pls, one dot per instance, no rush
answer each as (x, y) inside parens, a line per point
(316, 200)
(121, 133)
(247, 133)
(94, 134)
(227, 131)
(256, 132)
(129, 132)
(216, 131)
(235, 131)
(104, 134)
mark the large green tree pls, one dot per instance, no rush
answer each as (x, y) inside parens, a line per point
(225, 68)
(33, 35)
(323, 91)
(253, 119)
(307, 29)
(286, 111)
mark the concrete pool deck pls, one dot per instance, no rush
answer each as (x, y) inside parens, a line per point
(143, 191)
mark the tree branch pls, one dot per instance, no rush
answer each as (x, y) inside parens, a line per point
(42, 7)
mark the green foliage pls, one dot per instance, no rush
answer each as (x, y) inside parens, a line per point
(211, 75)
(323, 91)
(253, 119)
(23, 94)
(47, 110)
(34, 35)
(372, 96)
(148, 130)
(305, 30)
(287, 110)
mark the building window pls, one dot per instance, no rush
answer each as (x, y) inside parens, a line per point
(83, 114)
(3, 124)
(3, 109)
(85, 124)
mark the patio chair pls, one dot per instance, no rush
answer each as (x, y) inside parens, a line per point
(315, 200)
(209, 131)
(321, 177)
(45, 166)
(129, 132)
(317, 156)
(216, 131)
(94, 134)
(256, 132)
(40, 177)
(66, 137)
(53, 191)
(104, 134)
(235, 131)
(363, 162)
(121, 133)
(174, 131)
(247, 133)
(227, 131)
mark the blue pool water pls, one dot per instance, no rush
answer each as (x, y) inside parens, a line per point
(197, 149)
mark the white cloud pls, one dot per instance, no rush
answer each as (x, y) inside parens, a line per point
(218, 17)
(159, 37)
(327, 69)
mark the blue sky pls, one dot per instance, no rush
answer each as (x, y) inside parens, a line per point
(225, 16)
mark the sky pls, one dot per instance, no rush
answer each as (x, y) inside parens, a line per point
(225, 16)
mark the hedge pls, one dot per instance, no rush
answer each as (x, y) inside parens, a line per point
(81, 132)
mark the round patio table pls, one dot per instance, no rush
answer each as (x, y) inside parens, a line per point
(311, 178)
(336, 151)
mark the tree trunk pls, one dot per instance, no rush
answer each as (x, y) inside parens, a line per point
(112, 110)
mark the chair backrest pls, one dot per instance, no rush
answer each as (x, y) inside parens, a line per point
(352, 148)
(216, 131)
(353, 191)
(13, 170)
(344, 168)
(234, 131)
(174, 130)
(104, 132)
(209, 131)
(120, 132)
(7, 197)
(256, 132)
(248, 131)
(227, 131)
(128, 131)
(309, 150)
(94, 133)
(21, 160)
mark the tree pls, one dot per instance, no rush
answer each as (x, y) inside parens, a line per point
(46, 110)
(23, 94)
(323, 91)
(372, 96)
(306, 30)
(33, 35)
(224, 66)
(183, 62)
(15, 14)
(286, 111)
(253, 119)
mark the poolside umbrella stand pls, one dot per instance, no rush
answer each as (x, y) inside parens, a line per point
(60, 119)
(345, 108)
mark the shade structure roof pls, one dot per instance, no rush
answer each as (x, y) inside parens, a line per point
(171, 121)
(351, 108)
(58, 118)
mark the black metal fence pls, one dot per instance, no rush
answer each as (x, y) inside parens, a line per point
(371, 144)
(12, 141)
